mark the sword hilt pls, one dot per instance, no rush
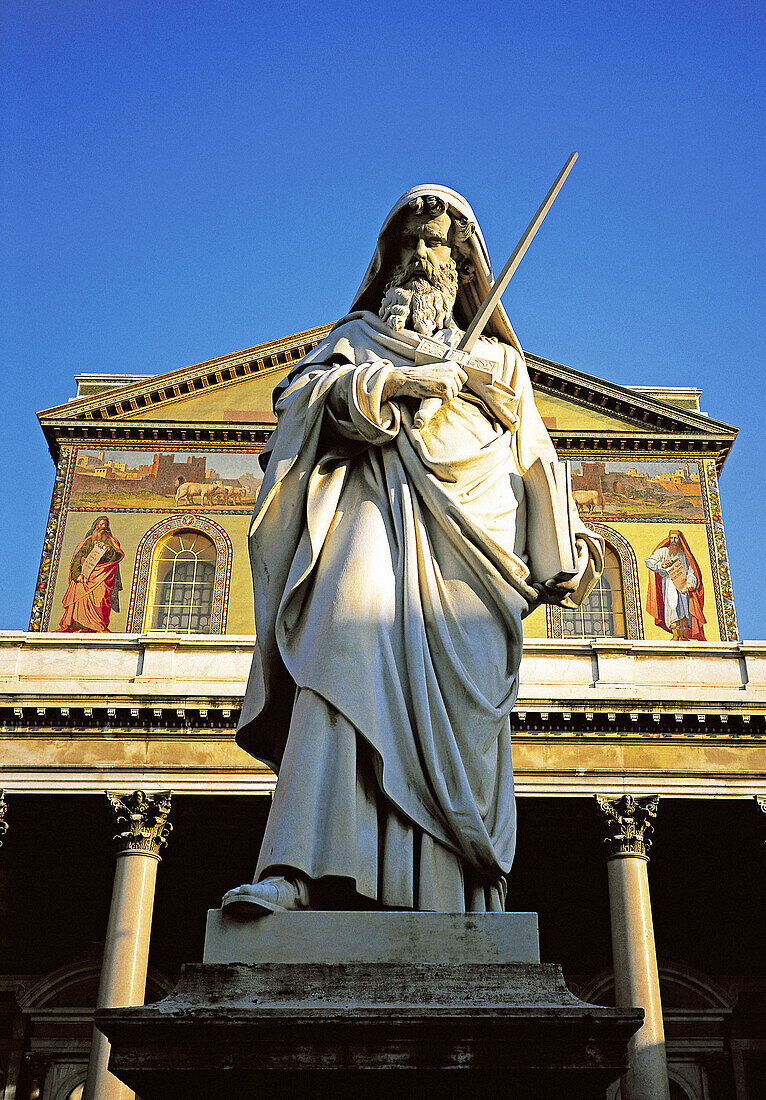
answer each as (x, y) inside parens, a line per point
(478, 370)
(428, 406)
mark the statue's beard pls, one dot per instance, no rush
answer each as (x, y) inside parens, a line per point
(420, 294)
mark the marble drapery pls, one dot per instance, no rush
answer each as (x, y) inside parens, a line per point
(390, 583)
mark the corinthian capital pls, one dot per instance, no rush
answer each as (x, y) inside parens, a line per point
(628, 824)
(142, 820)
(3, 822)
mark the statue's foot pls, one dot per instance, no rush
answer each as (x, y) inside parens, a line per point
(271, 895)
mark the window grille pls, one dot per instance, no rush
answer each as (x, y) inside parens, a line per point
(181, 597)
(602, 615)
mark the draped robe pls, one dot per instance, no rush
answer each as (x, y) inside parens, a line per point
(390, 583)
(89, 604)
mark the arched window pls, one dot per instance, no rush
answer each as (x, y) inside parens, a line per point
(181, 577)
(602, 615)
(612, 609)
(181, 588)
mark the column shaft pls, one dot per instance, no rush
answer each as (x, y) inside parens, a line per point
(125, 963)
(126, 950)
(636, 977)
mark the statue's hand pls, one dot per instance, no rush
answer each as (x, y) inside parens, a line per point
(553, 591)
(442, 379)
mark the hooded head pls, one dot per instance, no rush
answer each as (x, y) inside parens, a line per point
(468, 250)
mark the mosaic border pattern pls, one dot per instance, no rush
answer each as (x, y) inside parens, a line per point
(47, 571)
(184, 446)
(612, 517)
(145, 552)
(161, 511)
(719, 558)
(54, 538)
(631, 592)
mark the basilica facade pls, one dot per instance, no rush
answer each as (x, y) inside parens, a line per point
(639, 731)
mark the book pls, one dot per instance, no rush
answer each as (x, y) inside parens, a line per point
(676, 572)
(551, 541)
(92, 560)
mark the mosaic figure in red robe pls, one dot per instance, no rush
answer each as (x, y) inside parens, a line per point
(94, 581)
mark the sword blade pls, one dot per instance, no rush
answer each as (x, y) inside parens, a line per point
(487, 307)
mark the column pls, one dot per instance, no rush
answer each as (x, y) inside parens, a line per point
(38, 1071)
(142, 821)
(5, 899)
(18, 1029)
(628, 824)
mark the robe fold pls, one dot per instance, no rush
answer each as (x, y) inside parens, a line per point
(664, 603)
(390, 581)
(89, 601)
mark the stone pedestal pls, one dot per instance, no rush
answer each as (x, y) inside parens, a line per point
(429, 1005)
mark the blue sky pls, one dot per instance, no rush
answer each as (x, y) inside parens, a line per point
(184, 179)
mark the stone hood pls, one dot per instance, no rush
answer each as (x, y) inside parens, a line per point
(470, 296)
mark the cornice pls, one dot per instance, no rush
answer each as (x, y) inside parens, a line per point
(150, 686)
(106, 418)
(654, 448)
(193, 434)
(258, 359)
(184, 718)
(614, 400)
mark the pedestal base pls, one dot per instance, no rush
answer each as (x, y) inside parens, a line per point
(426, 1029)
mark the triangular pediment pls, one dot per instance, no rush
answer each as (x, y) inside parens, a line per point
(586, 403)
(234, 392)
(562, 414)
(239, 384)
(243, 401)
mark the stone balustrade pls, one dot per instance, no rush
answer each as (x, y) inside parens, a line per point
(154, 665)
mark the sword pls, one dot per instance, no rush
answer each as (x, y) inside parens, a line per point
(429, 351)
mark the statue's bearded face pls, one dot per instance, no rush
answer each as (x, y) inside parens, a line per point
(422, 287)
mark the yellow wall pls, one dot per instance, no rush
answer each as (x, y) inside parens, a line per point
(227, 402)
(129, 528)
(643, 537)
(535, 624)
(565, 416)
(243, 398)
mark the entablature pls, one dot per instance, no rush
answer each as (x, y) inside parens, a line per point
(190, 686)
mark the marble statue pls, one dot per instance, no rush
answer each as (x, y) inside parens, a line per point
(391, 571)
